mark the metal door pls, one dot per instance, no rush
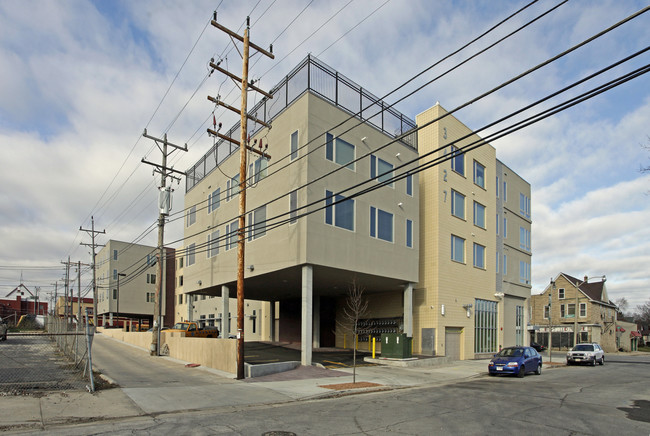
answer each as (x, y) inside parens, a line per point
(452, 342)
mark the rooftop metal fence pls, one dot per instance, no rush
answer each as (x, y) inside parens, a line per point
(314, 76)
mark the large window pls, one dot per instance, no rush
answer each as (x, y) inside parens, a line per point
(583, 310)
(114, 254)
(191, 216)
(524, 205)
(457, 249)
(190, 254)
(524, 272)
(457, 161)
(258, 169)
(257, 223)
(479, 255)
(381, 170)
(409, 185)
(485, 326)
(457, 204)
(339, 151)
(231, 234)
(214, 200)
(409, 233)
(294, 145)
(524, 239)
(560, 293)
(505, 264)
(381, 224)
(340, 214)
(479, 174)
(505, 227)
(479, 215)
(233, 187)
(213, 243)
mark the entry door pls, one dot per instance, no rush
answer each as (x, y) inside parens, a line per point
(452, 342)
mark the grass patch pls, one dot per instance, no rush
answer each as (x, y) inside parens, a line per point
(644, 349)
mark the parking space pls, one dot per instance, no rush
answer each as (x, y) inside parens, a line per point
(256, 353)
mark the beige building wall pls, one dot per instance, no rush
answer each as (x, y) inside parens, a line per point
(447, 287)
(137, 290)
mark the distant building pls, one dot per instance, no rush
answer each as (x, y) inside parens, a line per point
(24, 302)
(127, 276)
(574, 302)
(73, 307)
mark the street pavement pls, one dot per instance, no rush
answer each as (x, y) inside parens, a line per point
(150, 386)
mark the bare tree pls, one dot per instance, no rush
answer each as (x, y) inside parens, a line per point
(647, 147)
(642, 314)
(622, 305)
(355, 308)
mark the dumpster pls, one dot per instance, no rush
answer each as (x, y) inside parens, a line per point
(396, 345)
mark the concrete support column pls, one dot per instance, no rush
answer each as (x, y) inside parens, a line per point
(408, 310)
(225, 315)
(316, 324)
(110, 319)
(306, 323)
(272, 321)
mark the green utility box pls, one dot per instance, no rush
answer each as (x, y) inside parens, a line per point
(396, 345)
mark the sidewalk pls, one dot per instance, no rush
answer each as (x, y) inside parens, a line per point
(40, 412)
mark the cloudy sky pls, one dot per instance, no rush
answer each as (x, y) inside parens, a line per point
(80, 80)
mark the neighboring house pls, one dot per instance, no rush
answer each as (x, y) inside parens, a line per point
(11, 309)
(627, 338)
(127, 276)
(427, 248)
(574, 302)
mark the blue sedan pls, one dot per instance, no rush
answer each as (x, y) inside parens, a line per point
(517, 361)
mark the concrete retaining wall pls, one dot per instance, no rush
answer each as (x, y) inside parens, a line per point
(209, 352)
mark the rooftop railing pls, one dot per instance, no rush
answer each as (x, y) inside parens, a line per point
(314, 76)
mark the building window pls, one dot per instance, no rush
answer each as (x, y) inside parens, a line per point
(213, 243)
(497, 186)
(457, 161)
(497, 221)
(409, 233)
(151, 260)
(524, 272)
(479, 256)
(524, 205)
(505, 227)
(571, 310)
(114, 294)
(562, 310)
(180, 280)
(151, 297)
(340, 214)
(381, 224)
(114, 254)
(180, 263)
(293, 207)
(409, 185)
(114, 274)
(231, 234)
(232, 187)
(546, 312)
(479, 215)
(214, 200)
(457, 204)
(524, 239)
(257, 223)
(191, 216)
(560, 293)
(457, 249)
(180, 299)
(519, 325)
(485, 326)
(294, 145)
(151, 279)
(258, 169)
(339, 151)
(190, 254)
(505, 191)
(505, 264)
(479, 175)
(381, 170)
(583, 310)
(497, 262)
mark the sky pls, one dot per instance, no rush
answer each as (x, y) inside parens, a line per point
(81, 80)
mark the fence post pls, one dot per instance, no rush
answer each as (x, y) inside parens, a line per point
(90, 359)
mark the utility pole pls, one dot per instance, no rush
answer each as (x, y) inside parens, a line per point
(243, 147)
(65, 294)
(164, 204)
(92, 232)
(78, 294)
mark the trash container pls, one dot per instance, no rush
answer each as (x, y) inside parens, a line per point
(396, 345)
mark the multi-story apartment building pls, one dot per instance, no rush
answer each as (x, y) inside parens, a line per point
(126, 283)
(310, 234)
(469, 300)
(568, 303)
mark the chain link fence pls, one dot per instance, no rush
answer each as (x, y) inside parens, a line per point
(57, 357)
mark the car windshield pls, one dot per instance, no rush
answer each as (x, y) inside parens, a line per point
(180, 326)
(583, 347)
(511, 352)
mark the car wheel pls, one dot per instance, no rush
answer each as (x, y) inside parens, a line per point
(539, 369)
(522, 372)
(602, 360)
(593, 362)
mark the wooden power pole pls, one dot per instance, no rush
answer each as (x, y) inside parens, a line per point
(243, 147)
(165, 207)
(92, 232)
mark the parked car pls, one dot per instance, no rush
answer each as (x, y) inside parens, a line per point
(586, 353)
(517, 361)
(538, 347)
(3, 330)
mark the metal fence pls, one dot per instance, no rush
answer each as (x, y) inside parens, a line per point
(56, 358)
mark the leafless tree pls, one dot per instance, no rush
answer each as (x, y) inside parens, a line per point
(622, 305)
(647, 147)
(355, 308)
